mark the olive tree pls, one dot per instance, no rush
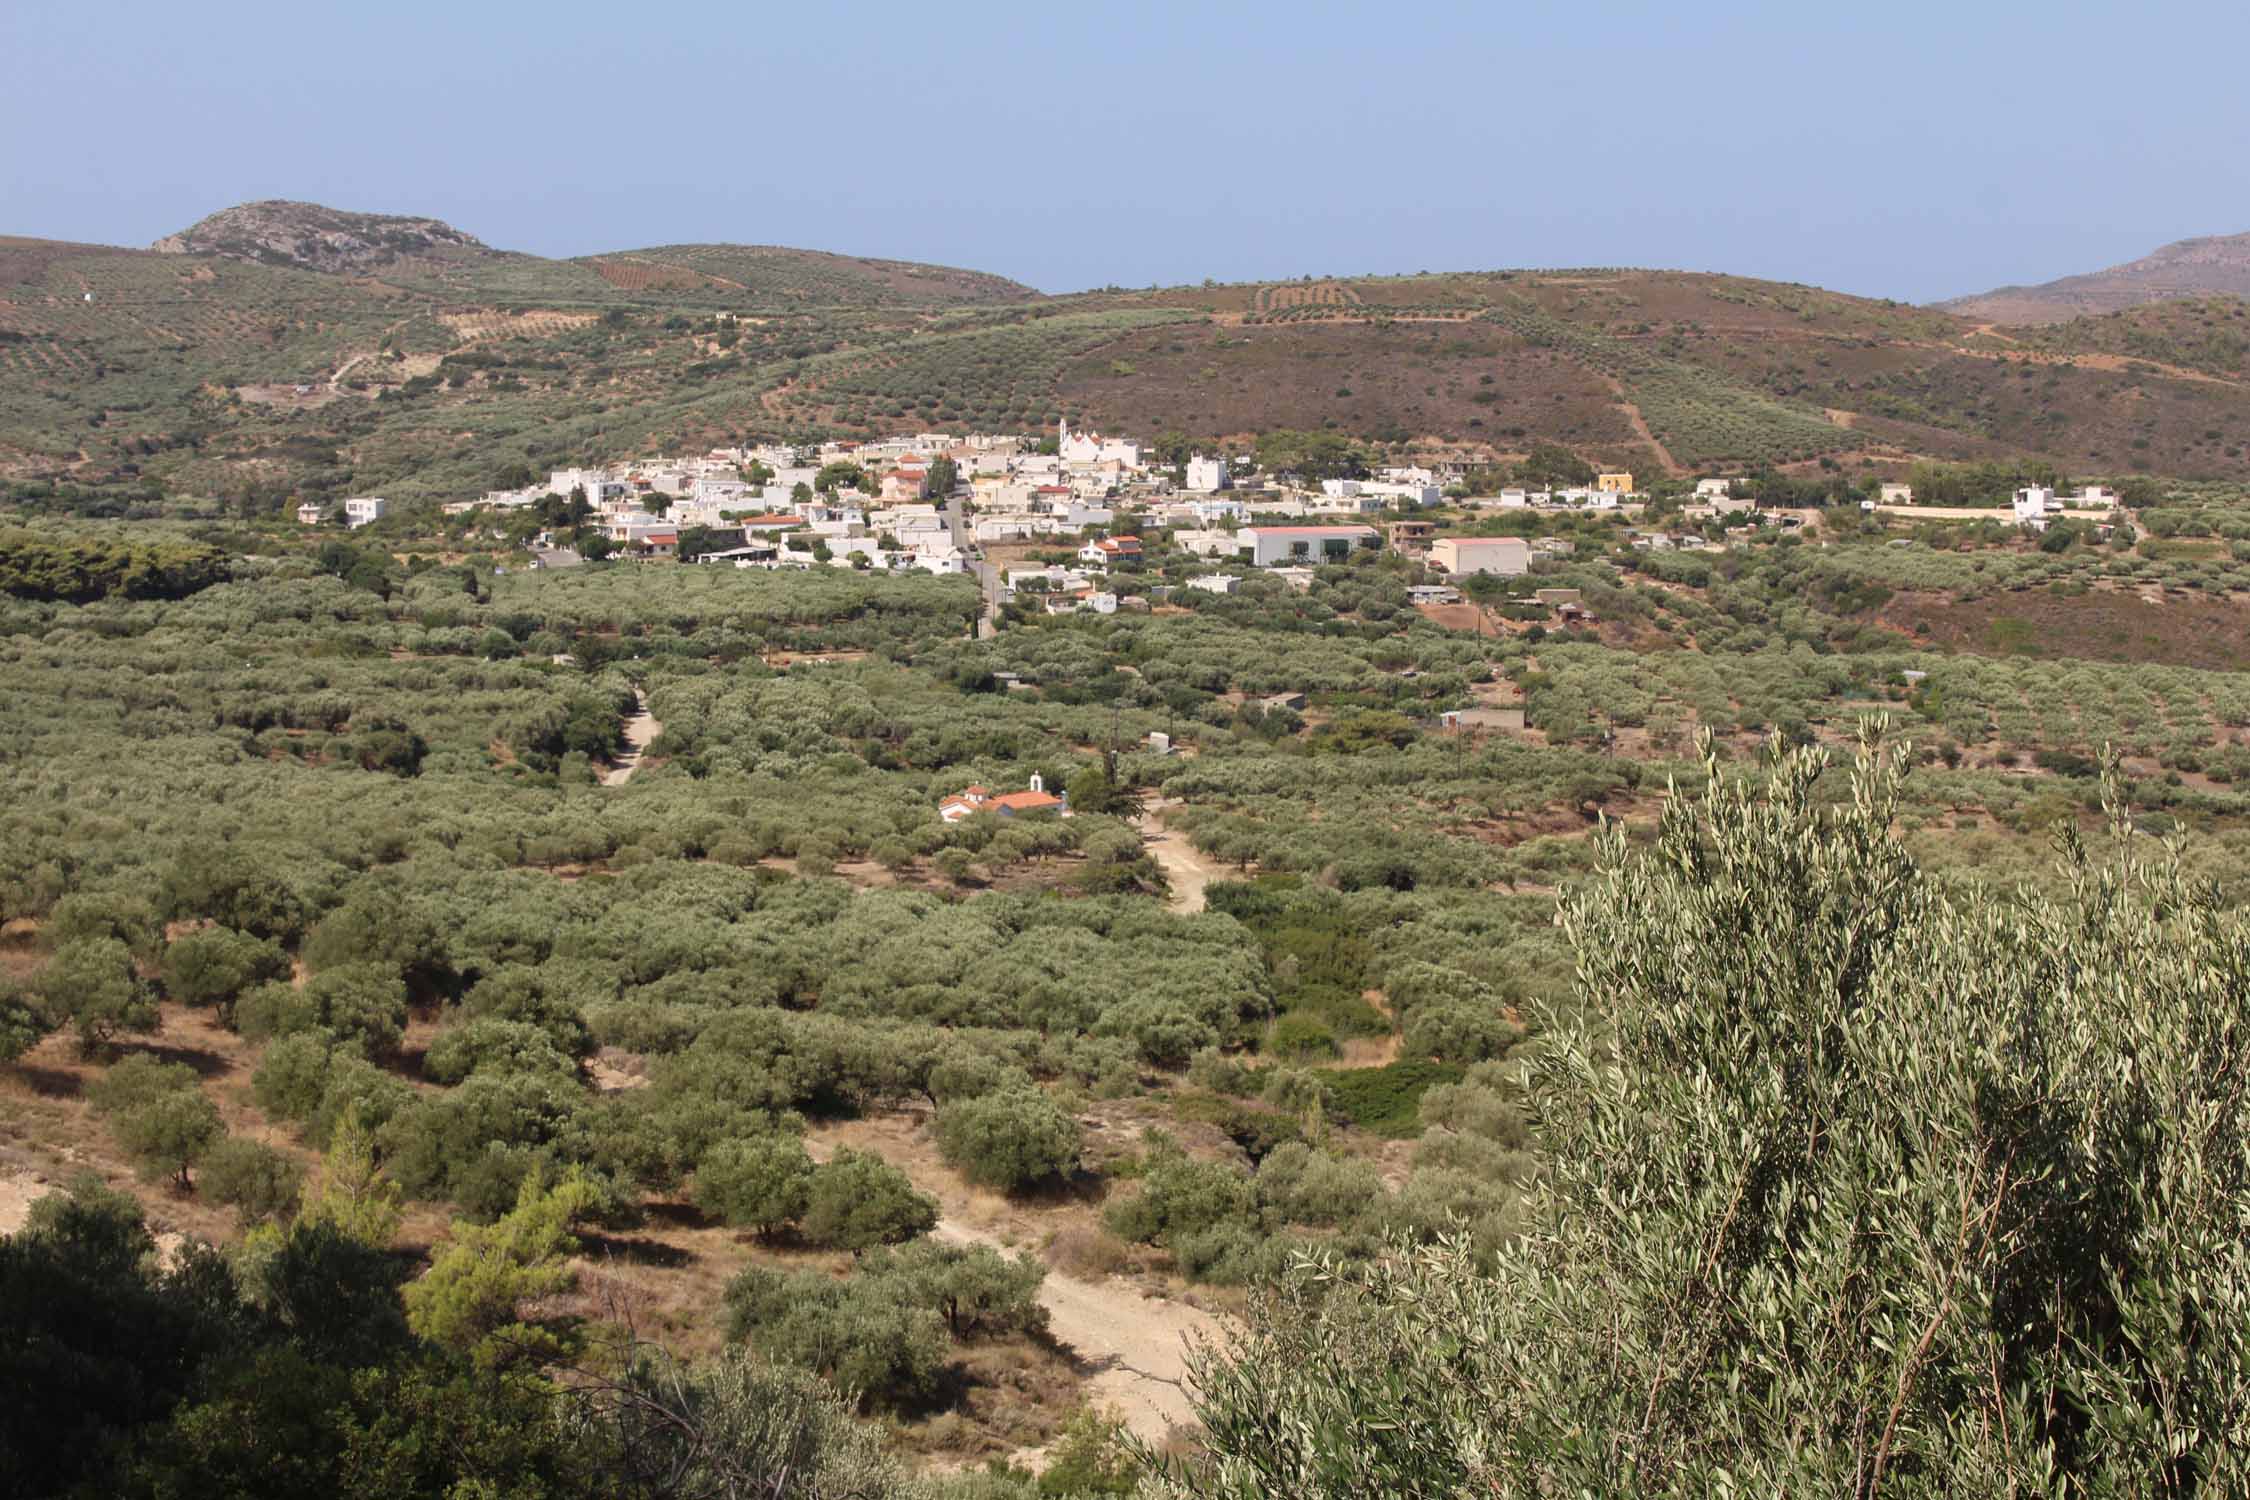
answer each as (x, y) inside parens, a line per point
(760, 1183)
(1869, 1185)
(216, 964)
(857, 1200)
(91, 982)
(1009, 1139)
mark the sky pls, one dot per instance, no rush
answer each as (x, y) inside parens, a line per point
(1913, 150)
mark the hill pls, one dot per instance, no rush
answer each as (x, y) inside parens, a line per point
(776, 275)
(310, 237)
(301, 363)
(2210, 265)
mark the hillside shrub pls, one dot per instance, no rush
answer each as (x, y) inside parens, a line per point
(1009, 1139)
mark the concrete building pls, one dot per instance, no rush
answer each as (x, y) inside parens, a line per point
(365, 510)
(1619, 483)
(1206, 475)
(1508, 556)
(1271, 545)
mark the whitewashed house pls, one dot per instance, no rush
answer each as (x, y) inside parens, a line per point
(1206, 475)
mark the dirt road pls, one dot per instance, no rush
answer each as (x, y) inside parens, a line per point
(1188, 868)
(1133, 1346)
(1136, 1345)
(641, 730)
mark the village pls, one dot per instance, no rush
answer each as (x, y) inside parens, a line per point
(1046, 523)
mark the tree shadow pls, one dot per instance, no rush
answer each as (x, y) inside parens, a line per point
(206, 1064)
(674, 1213)
(51, 1083)
(633, 1251)
(1081, 1188)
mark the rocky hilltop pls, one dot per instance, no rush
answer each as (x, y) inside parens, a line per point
(278, 232)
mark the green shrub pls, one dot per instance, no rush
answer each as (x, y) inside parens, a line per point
(1009, 1139)
(1298, 1037)
(857, 1201)
(760, 1183)
(253, 1178)
(215, 965)
(1386, 1101)
(865, 1334)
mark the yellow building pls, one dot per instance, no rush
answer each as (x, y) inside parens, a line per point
(1614, 484)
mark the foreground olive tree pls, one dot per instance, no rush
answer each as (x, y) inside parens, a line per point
(1870, 1185)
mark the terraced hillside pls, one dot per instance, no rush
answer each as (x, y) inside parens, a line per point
(436, 373)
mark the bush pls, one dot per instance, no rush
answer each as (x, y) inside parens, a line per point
(362, 1003)
(1010, 1139)
(865, 1334)
(1305, 1186)
(134, 1082)
(1165, 1032)
(292, 1075)
(273, 1011)
(90, 982)
(857, 1201)
(215, 965)
(488, 1045)
(975, 1288)
(1179, 1195)
(1298, 1036)
(170, 1134)
(1387, 1100)
(762, 1183)
(252, 1178)
(1458, 1032)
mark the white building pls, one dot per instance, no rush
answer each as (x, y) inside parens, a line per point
(1896, 494)
(309, 513)
(1508, 556)
(1093, 448)
(1215, 583)
(1206, 475)
(1401, 493)
(2034, 505)
(365, 510)
(1206, 543)
(1271, 545)
(1211, 512)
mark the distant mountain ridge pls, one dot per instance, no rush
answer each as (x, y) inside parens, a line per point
(282, 351)
(2210, 265)
(409, 248)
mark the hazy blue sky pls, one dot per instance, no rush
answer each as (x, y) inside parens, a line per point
(1911, 149)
